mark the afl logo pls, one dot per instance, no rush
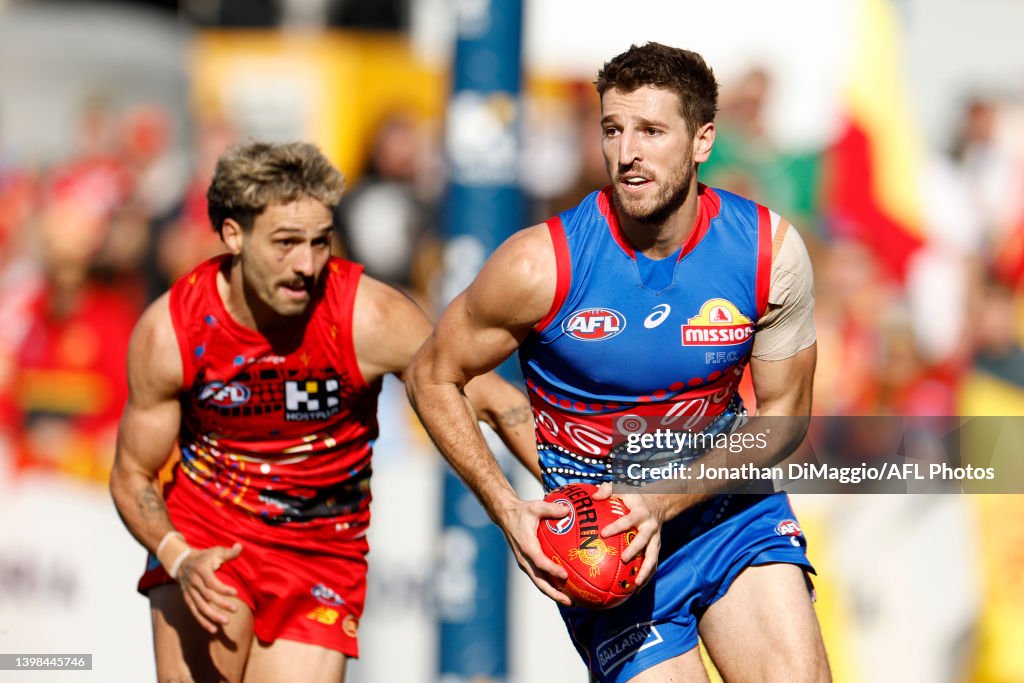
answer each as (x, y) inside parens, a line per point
(594, 324)
(562, 525)
(788, 527)
(327, 595)
(225, 395)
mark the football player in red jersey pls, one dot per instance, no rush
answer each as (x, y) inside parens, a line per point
(264, 365)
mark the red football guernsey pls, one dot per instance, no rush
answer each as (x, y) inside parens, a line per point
(282, 434)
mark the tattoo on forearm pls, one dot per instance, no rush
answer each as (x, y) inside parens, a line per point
(516, 416)
(150, 503)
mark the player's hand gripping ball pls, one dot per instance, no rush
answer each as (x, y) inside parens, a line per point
(598, 579)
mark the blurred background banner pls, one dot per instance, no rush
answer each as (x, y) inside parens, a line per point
(890, 132)
(329, 87)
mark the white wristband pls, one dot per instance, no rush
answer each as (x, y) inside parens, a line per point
(163, 541)
(173, 571)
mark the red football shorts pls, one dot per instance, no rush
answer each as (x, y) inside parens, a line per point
(303, 582)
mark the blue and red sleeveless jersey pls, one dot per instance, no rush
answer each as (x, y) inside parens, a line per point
(633, 344)
(281, 434)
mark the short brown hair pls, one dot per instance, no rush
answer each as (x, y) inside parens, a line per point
(683, 72)
(252, 176)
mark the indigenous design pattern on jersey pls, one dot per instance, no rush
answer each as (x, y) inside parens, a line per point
(283, 434)
(634, 344)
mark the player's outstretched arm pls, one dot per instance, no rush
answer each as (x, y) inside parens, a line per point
(480, 329)
(145, 439)
(389, 329)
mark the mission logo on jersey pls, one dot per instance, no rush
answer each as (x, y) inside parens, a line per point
(594, 324)
(719, 323)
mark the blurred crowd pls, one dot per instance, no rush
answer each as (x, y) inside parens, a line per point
(936, 332)
(87, 241)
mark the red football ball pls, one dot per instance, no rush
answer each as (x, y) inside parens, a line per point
(598, 579)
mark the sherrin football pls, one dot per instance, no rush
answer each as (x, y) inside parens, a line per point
(598, 579)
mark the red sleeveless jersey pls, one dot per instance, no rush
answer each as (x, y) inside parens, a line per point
(281, 434)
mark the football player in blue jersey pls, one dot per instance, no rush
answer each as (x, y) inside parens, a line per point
(634, 313)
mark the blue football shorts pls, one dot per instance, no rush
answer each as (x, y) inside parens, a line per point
(703, 551)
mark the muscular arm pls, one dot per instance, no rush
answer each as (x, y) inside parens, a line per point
(149, 426)
(480, 329)
(390, 328)
(785, 352)
(506, 410)
(145, 439)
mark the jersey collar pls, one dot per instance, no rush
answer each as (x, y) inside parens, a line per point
(708, 206)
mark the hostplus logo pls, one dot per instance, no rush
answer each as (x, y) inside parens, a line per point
(311, 399)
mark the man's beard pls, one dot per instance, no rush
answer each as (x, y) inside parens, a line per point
(655, 210)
